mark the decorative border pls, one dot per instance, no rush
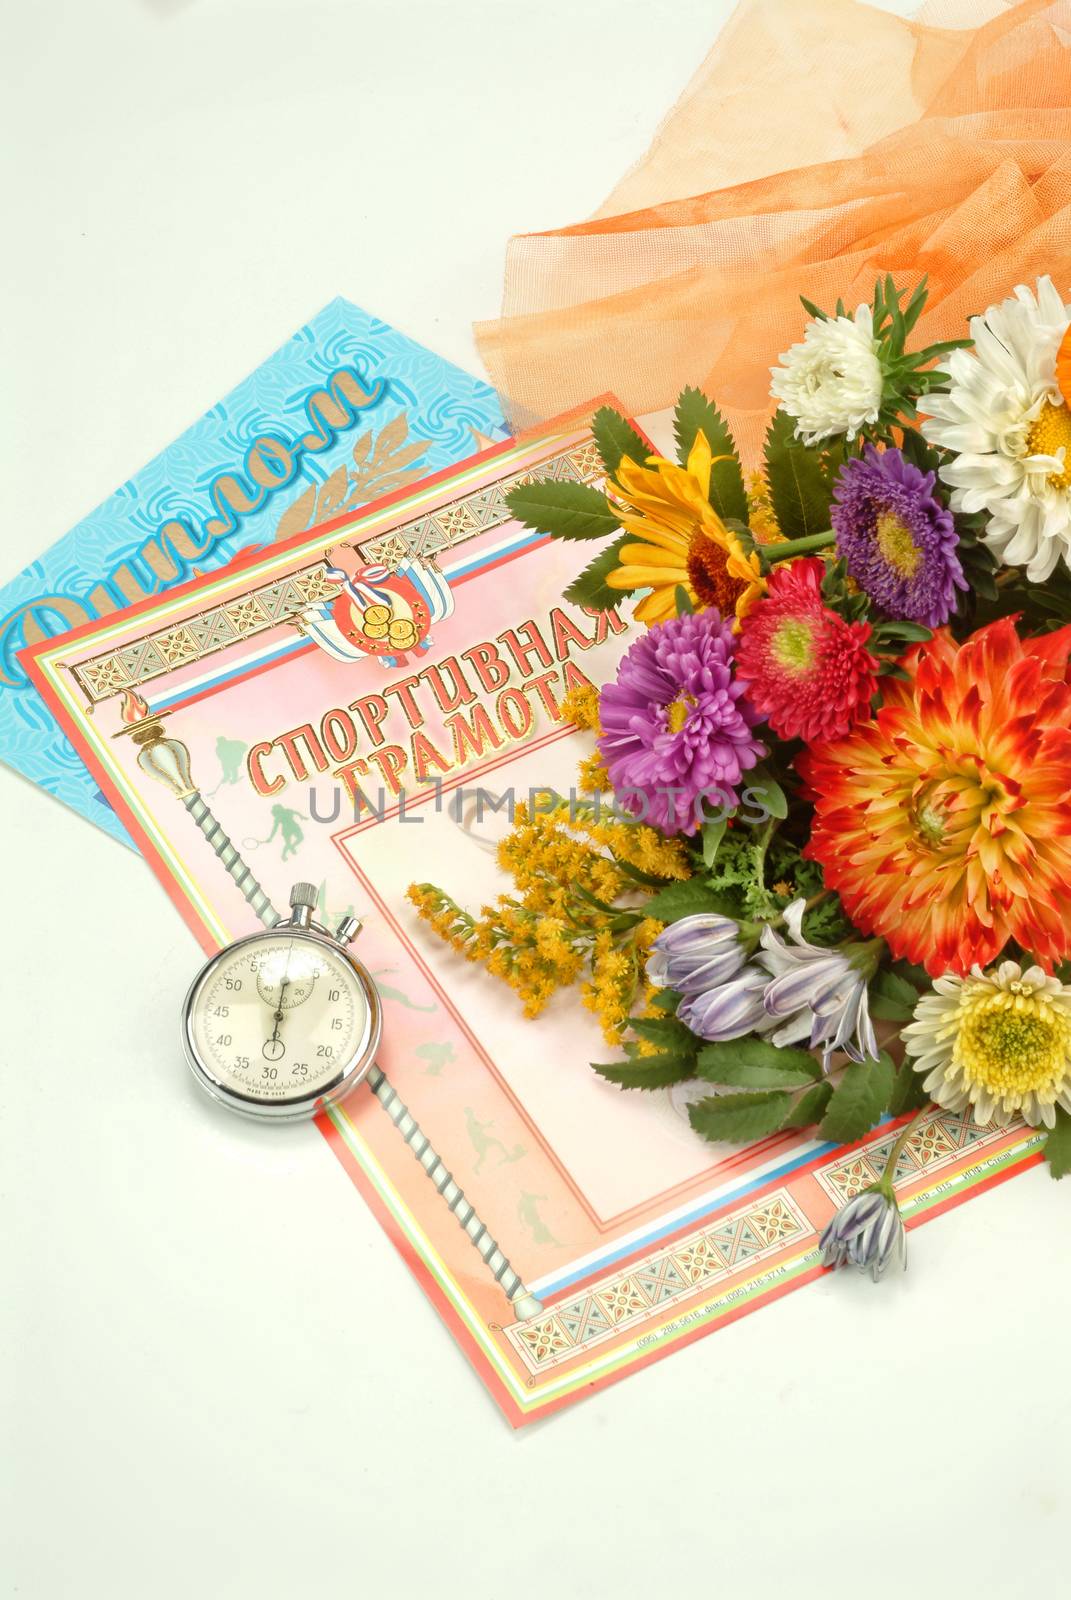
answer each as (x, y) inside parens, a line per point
(451, 524)
(716, 1252)
(701, 1259)
(257, 610)
(938, 1140)
(202, 635)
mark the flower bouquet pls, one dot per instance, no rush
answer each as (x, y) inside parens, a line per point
(820, 858)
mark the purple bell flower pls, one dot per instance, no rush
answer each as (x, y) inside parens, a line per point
(818, 995)
(729, 1010)
(867, 1233)
(696, 954)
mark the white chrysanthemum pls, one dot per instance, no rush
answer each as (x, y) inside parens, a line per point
(999, 1042)
(831, 383)
(1007, 421)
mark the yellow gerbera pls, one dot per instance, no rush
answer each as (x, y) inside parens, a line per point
(684, 544)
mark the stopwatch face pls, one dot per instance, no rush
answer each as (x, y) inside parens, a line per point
(281, 1024)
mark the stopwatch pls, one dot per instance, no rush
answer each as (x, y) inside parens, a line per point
(283, 1023)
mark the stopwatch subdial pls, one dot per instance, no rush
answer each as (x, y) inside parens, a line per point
(286, 980)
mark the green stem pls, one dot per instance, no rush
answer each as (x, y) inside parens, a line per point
(885, 1182)
(865, 955)
(759, 848)
(795, 547)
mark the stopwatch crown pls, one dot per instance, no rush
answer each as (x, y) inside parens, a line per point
(303, 899)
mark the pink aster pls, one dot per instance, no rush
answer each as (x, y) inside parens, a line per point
(676, 733)
(806, 670)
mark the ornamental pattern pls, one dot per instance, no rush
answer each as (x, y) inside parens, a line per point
(201, 635)
(938, 1140)
(256, 611)
(712, 1254)
(427, 536)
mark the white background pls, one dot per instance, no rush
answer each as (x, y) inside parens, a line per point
(218, 1378)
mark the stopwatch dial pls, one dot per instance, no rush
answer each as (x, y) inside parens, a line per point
(279, 1018)
(288, 976)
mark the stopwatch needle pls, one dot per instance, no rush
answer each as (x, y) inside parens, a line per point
(274, 1047)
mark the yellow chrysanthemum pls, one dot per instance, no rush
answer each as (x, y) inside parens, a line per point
(681, 540)
(999, 1042)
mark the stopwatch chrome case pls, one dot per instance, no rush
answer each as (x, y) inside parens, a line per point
(284, 1023)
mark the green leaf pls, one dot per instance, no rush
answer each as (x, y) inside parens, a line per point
(616, 437)
(645, 1072)
(886, 1010)
(907, 1093)
(811, 1105)
(695, 414)
(931, 350)
(1057, 1148)
(892, 999)
(916, 450)
(859, 1100)
(890, 983)
(740, 1117)
(666, 1000)
(566, 510)
(674, 1038)
(756, 1064)
(799, 489)
(913, 309)
(683, 601)
(590, 587)
(713, 833)
(679, 900)
(981, 581)
(914, 632)
(768, 793)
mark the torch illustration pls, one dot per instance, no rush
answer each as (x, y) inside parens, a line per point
(167, 759)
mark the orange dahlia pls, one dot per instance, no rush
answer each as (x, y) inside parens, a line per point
(944, 824)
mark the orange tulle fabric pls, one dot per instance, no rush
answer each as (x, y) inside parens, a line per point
(937, 145)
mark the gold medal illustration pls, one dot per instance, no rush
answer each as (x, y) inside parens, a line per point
(402, 634)
(376, 621)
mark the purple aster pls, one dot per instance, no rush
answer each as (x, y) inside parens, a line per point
(897, 538)
(676, 731)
